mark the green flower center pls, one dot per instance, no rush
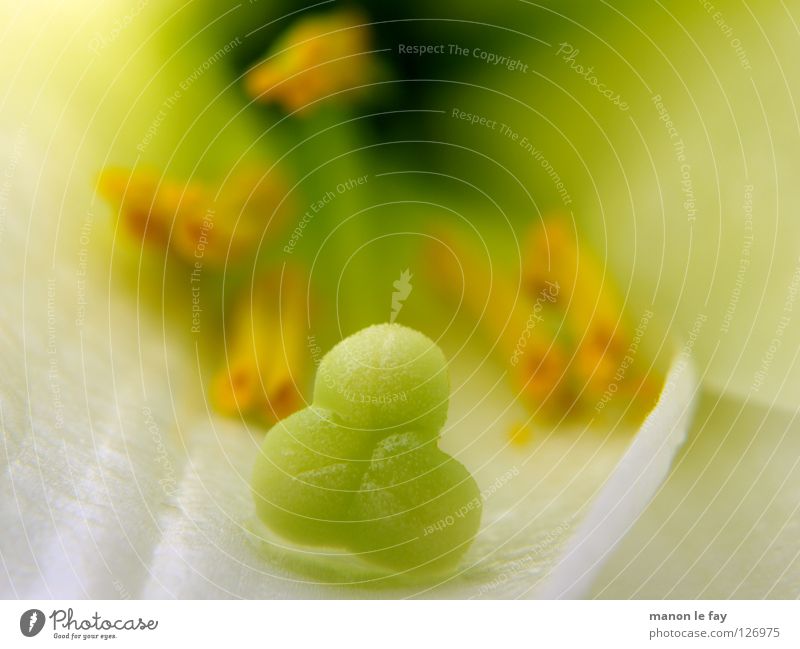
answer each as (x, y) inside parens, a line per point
(360, 468)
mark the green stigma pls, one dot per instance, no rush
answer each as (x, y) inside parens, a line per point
(360, 468)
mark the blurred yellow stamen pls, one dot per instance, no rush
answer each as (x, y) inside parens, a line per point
(317, 57)
(267, 361)
(187, 220)
(522, 330)
(553, 253)
(135, 196)
(603, 345)
(569, 350)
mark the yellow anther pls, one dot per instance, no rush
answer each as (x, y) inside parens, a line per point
(522, 330)
(553, 252)
(542, 380)
(563, 337)
(267, 360)
(134, 194)
(603, 351)
(186, 218)
(317, 57)
(193, 236)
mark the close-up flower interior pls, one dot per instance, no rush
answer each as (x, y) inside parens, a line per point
(369, 300)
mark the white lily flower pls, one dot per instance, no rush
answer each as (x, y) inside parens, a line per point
(119, 481)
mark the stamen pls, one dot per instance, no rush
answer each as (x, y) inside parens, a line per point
(604, 363)
(134, 194)
(564, 338)
(185, 218)
(524, 331)
(267, 363)
(317, 57)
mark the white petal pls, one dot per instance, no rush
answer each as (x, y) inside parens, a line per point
(726, 523)
(80, 464)
(630, 488)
